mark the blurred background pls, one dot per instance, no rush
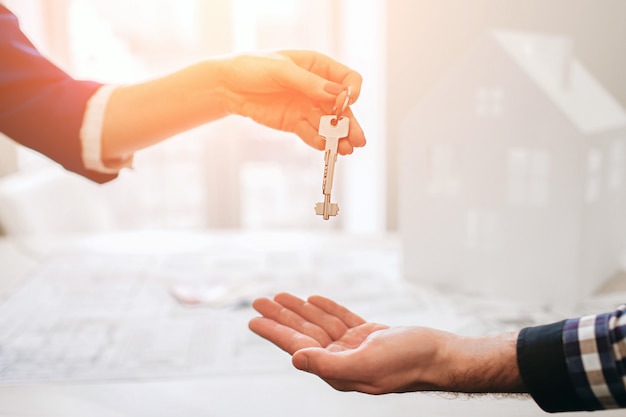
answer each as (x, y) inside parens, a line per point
(494, 179)
(232, 174)
(440, 55)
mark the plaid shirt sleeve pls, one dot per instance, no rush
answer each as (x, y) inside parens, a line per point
(595, 351)
(576, 364)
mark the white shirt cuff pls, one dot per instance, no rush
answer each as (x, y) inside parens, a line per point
(91, 135)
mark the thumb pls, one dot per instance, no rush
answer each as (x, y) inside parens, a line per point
(319, 361)
(304, 359)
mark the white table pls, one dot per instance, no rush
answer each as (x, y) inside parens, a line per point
(272, 388)
(15, 261)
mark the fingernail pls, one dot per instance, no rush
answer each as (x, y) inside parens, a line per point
(334, 88)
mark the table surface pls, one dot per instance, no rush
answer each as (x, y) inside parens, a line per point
(362, 272)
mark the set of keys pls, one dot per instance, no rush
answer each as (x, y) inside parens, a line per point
(332, 128)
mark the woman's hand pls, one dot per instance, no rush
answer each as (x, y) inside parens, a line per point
(287, 91)
(291, 90)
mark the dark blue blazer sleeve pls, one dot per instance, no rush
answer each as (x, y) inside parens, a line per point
(41, 106)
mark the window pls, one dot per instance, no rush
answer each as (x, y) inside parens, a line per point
(443, 178)
(482, 228)
(528, 177)
(595, 162)
(617, 164)
(214, 176)
(488, 101)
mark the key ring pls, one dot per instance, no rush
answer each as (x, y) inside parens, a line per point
(344, 107)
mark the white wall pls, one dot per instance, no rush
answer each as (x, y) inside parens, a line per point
(425, 37)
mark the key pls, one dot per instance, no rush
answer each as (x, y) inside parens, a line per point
(332, 128)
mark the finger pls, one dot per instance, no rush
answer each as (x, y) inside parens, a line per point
(344, 371)
(308, 129)
(328, 68)
(348, 317)
(281, 315)
(308, 132)
(301, 117)
(343, 101)
(284, 337)
(332, 325)
(356, 136)
(292, 76)
(309, 135)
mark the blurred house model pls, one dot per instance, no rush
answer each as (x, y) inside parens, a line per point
(513, 175)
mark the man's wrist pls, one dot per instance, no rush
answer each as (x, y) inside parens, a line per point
(486, 364)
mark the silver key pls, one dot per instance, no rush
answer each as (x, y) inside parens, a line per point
(332, 128)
